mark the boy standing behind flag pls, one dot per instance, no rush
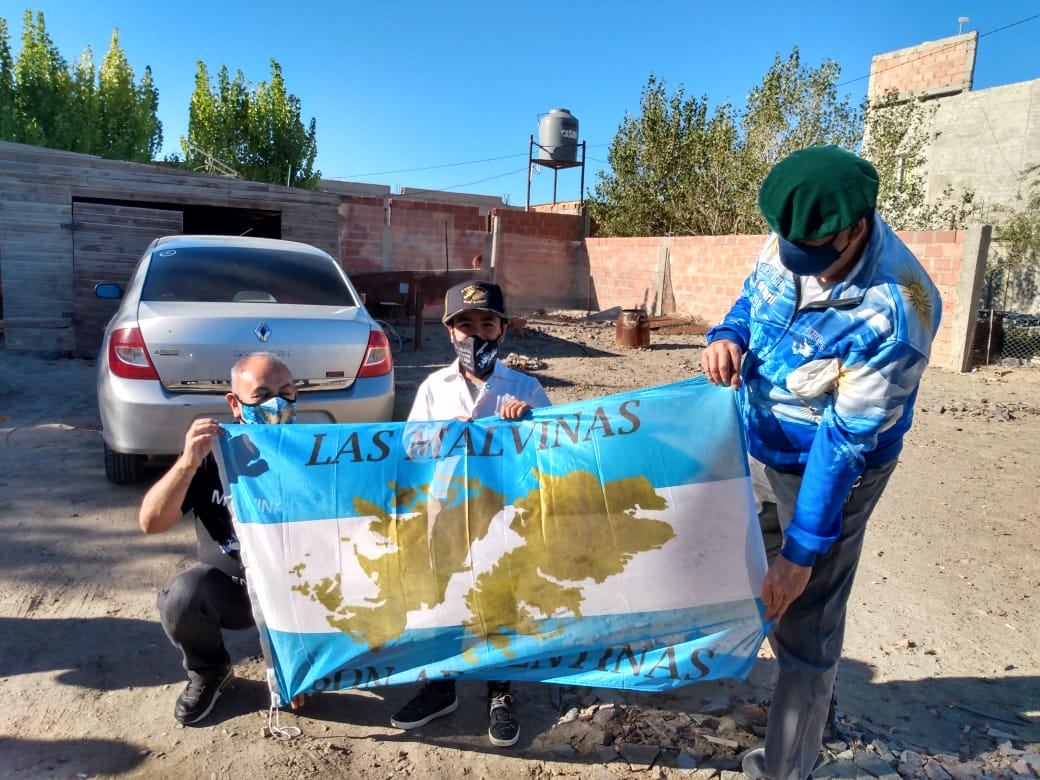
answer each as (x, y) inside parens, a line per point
(474, 385)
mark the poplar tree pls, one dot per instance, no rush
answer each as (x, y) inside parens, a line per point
(83, 105)
(149, 127)
(8, 116)
(48, 102)
(127, 127)
(42, 88)
(254, 131)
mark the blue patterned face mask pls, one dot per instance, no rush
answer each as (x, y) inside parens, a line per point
(273, 411)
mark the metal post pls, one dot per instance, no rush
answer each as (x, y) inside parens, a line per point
(582, 191)
(417, 296)
(530, 152)
(496, 229)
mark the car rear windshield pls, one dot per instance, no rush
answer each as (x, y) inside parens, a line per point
(235, 274)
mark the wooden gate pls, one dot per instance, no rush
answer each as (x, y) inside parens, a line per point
(107, 243)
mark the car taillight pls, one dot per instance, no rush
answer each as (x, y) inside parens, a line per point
(128, 356)
(377, 360)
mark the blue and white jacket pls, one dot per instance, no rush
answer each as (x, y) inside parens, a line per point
(829, 388)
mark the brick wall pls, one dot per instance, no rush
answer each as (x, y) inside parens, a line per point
(361, 222)
(396, 234)
(543, 262)
(941, 253)
(429, 236)
(386, 240)
(706, 274)
(540, 260)
(932, 68)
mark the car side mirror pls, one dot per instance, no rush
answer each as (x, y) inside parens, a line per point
(108, 291)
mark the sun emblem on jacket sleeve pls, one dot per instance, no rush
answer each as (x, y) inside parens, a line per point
(917, 292)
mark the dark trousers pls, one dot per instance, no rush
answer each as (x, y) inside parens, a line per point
(194, 607)
(494, 687)
(808, 638)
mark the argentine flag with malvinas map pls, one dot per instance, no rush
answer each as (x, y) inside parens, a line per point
(607, 543)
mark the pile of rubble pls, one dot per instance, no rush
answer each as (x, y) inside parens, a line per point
(524, 362)
(597, 724)
(998, 412)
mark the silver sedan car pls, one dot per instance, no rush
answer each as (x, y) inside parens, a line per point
(195, 305)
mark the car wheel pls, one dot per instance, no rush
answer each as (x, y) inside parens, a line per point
(121, 468)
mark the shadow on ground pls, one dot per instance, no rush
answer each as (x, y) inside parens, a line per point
(20, 758)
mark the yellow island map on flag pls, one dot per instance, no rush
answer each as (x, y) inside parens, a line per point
(610, 543)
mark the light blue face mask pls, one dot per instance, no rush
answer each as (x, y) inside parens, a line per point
(273, 411)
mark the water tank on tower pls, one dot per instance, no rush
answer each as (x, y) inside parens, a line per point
(558, 136)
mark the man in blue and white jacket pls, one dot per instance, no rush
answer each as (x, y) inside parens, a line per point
(826, 344)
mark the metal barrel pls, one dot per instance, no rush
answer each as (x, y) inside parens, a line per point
(632, 329)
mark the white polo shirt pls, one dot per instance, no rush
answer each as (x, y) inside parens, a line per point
(444, 394)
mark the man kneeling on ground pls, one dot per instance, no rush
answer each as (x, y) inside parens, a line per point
(198, 603)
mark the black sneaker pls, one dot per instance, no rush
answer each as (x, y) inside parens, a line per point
(503, 730)
(198, 698)
(431, 702)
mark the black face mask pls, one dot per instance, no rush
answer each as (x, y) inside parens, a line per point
(477, 356)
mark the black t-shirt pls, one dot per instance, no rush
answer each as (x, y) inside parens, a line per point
(218, 545)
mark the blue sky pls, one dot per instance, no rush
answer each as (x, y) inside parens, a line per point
(446, 94)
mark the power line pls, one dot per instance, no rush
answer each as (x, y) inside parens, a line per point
(428, 167)
(445, 165)
(416, 192)
(933, 52)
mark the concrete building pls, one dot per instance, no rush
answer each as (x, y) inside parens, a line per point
(987, 140)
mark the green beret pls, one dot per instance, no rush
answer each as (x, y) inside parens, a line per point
(817, 192)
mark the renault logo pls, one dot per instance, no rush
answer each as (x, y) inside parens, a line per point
(262, 333)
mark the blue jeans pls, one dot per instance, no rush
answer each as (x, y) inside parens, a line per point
(808, 638)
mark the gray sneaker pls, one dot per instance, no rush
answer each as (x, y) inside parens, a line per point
(503, 729)
(754, 764)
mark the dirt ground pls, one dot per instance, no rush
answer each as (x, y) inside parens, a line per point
(942, 649)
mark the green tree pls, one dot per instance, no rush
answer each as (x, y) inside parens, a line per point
(48, 102)
(202, 117)
(897, 134)
(83, 105)
(661, 165)
(127, 122)
(1014, 260)
(682, 168)
(42, 92)
(149, 126)
(255, 132)
(8, 115)
(794, 107)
